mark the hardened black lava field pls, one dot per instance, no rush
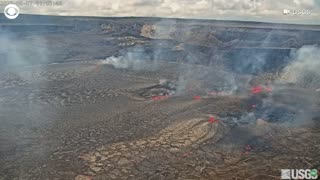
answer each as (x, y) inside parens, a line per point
(147, 98)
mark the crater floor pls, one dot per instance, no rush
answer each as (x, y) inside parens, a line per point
(84, 120)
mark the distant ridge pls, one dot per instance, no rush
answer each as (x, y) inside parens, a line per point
(32, 18)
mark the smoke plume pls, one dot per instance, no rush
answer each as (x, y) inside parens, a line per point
(304, 69)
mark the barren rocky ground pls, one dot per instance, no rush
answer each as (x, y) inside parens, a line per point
(72, 106)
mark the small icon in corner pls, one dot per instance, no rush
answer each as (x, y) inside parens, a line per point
(11, 11)
(285, 174)
(286, 11)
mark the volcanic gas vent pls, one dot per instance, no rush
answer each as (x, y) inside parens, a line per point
(164, 88)
(276, 113)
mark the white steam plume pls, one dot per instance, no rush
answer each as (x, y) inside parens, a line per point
(304, 70)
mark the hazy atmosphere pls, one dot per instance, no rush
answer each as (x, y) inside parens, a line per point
(249, 10)
(88, 91)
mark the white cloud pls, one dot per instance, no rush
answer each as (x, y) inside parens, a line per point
(256, 10)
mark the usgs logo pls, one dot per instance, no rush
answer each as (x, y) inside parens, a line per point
(299, 174)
